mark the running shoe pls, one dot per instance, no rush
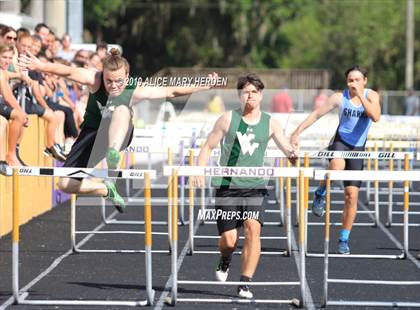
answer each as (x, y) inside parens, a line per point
(114, 196)
(222, 270)
(5, 169)
(56, 152)
(244, 292)
(112, 158)
(343, 247)
(318, 204)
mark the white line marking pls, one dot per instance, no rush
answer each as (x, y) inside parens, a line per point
(54, 264)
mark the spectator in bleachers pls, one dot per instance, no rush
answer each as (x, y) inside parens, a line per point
(216, 105)
(54, 45)
(21, 31)
(82, 56)
(36, 44)
(3, 129)
(52, 99)
(43, 31)
(9, 107)
(95, 62)
(35, 103)
(66, 51)
(282, 102)
(320, 99)
(412, 103)
(8, 35)
(102, 50)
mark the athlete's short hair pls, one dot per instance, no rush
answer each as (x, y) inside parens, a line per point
(250, 79)
(115, 61)
(363, 71)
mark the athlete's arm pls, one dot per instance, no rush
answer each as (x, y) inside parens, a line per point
(332, 103)
(216, 135)
(276, 133)
(150, 92)
(79, 75)
(371, 103)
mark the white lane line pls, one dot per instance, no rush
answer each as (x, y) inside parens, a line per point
(392, 238)
(54, 264)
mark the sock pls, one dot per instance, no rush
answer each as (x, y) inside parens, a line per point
(321, 190)
(227, 258)
(245, 279)
(344, 234)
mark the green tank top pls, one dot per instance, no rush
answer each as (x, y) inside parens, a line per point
(244, 146)
(99, 106)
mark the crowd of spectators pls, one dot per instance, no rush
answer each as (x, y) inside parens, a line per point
(59, 102)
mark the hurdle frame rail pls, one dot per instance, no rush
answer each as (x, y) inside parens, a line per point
(173, 299)
(329, 175)
(74, 232)
(129, 160)
(373, 155)
(21, 297)
(288, 173)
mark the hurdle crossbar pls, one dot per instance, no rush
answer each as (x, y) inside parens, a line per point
(402, 177)
(21, 297)
(173, 299)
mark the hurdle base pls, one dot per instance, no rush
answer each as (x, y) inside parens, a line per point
(294, 302)
(63, 302)
(371, 256)
(372, 303)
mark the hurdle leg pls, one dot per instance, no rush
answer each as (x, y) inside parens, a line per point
(148, 239)
(376, 185)
(406, 205)
(73, 222)
(390, 190)
(191, 207)
(326, 238)
(15, 237)
(174, 255)
(288, 215)
(182, 201)
(182, 186)
(302, 237)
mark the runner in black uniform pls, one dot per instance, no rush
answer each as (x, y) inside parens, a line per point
(107, 127)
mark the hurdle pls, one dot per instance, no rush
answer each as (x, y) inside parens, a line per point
(391, 192)
(278, 187)
(375, 155)
(329, 175)
(21, 297)
(141, 174)
(149, 150)
(405, 176)
(371, 155)
(274, 172)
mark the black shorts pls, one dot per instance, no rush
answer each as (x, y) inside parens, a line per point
(350, 164)
(33, 108)
(238, 205)
(5, 110)
(91, 145)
